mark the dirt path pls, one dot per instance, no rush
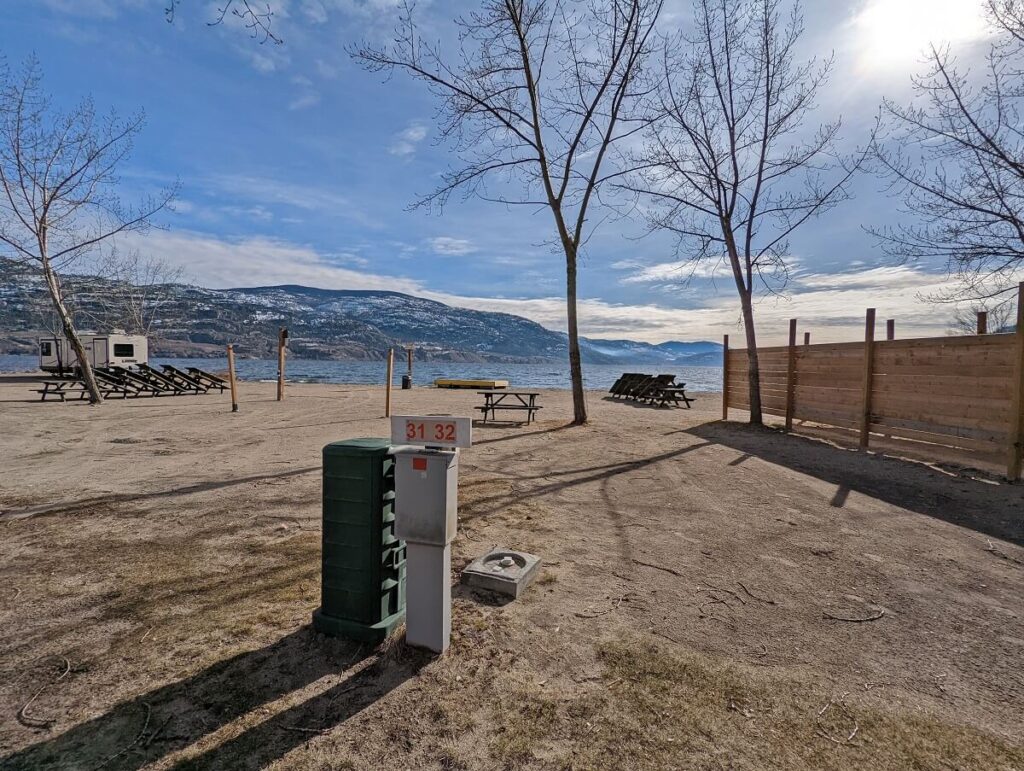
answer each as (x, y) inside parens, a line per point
(712, 597)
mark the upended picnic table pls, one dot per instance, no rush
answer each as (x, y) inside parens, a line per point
(494, 400)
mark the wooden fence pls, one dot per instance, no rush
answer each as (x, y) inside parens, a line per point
(946, 399)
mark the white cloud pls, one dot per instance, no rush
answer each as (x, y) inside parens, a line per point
(830, 307)
(306, 95)
(451, 246)
(261, 62)
(259, 213)
(272, 191)
(218, 263)
(891, 35)
(314, 11)
(105, 9)
(407, 141)
(326, 70)
(678, 272)
(304, 101)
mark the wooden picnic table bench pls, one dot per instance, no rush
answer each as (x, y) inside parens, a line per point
(523, 401)
(671, 395)
(183, 379)
(208, 379)
(61, 389)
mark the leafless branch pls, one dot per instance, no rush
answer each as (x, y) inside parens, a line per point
(257, 19)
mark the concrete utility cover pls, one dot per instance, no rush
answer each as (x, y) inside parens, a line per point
(502, 571)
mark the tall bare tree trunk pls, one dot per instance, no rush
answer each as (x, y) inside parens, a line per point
(579, 403)
(754, 369)
(84, 365)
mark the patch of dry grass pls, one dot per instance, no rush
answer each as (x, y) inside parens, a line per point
(670, 709)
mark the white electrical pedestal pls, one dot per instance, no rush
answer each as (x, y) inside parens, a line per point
(426, 509)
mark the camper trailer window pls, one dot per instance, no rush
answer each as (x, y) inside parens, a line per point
(45, 349)
(124, 349)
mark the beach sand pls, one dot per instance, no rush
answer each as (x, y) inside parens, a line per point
(713, 596)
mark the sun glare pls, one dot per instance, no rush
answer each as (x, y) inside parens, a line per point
(894, 33)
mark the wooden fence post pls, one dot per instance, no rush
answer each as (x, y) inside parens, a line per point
(982, 322)
(387, 391)
(231, 378)
(869, 355)
(1016, 448)
(791, 375)
(890, 329)
(725, 377)
(282, 337)
(807, 338)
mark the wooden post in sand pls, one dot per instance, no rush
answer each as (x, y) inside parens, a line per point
(725, 377)
(408, 352)
(387, 390)
(982, 322)
(791, 376)
(231, 378)
(890, 329)
(282, 338)
(1015, 453)
(869, 356)
(807, 338)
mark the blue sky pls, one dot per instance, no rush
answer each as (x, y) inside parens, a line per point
(296, 166)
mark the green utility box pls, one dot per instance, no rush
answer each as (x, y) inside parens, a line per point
(362, 593)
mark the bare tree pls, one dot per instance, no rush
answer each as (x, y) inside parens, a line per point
(258, 19)
(955, 155)
(536, 103)
(728, 164)
(58, 181)
(1002, 317)
(127, 291)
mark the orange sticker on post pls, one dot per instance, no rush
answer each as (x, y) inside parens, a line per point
(419, 464)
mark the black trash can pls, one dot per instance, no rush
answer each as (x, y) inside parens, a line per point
(406, 382)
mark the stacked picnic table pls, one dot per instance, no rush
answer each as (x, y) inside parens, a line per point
(660, 390)
(141, 381)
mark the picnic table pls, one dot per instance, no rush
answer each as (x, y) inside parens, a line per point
(62, 389)
(524, 401)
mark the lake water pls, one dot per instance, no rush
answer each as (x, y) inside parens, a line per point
(548, 375)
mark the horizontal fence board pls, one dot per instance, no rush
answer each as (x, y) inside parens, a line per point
(958, 341)
(944, 399)
(991, 372)
(822, 415)
(953, 432)
(981, 356)
(939, 410)
(941, 423)
(992, 445)
(825, 380)
(966, 386)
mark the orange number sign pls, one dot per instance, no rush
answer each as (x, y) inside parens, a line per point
(445, 432)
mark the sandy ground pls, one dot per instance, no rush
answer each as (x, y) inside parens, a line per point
(713, 596)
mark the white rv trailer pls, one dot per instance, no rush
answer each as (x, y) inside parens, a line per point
(103, 350)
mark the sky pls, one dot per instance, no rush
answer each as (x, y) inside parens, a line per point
(297, 166)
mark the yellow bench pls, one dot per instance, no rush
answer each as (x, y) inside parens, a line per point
(457, 383)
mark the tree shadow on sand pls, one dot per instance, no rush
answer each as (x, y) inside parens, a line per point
(996, 510)
(165, 720)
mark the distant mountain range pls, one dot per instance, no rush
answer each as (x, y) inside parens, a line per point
(324, 324)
